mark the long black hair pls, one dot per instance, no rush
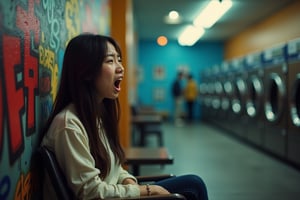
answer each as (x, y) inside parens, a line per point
(82, 64)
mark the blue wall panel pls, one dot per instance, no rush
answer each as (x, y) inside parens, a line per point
(171, 58)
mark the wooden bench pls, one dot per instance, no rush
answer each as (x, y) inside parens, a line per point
(137, 156)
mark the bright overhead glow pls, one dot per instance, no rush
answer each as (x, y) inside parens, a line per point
(172, 18)
(173, 15)
(214, 10)
(190, 35)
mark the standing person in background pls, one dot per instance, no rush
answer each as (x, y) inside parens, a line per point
(177, 96)
(190, 95)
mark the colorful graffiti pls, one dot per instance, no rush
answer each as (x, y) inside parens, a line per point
(33, 36)
(23, 187)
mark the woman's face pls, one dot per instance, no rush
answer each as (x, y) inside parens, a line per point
(112, 73)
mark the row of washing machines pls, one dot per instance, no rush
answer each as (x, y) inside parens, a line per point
(257, 98)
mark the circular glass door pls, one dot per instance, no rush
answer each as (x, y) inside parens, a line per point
(295, 102)
(275, 94)
(218, 93)
(255, 89)
(239, 92)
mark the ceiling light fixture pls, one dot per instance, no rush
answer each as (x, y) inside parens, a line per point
(173, 15)
(214, 10)
(190, 35)
(162, 41)
(172, 18)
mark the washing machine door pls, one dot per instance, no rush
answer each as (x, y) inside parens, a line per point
(275, 94)
(209, 94)
(202, 88)
(239, 92)
(225, 104)
(295, 102)
(217, 96)
(255, 92)
(228, 91)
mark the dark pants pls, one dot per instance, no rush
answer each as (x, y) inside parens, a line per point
(190, 186)
(190, 110)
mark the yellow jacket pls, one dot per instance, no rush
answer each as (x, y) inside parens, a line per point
(191, 91)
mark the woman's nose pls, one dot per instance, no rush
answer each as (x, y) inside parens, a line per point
(120, 68)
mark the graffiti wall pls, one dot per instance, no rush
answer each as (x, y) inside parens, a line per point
(33, 37)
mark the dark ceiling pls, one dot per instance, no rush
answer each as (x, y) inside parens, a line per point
(149, 17)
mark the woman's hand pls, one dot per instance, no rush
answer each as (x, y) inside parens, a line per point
(153, 190)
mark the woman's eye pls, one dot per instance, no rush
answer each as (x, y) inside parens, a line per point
(119, 59)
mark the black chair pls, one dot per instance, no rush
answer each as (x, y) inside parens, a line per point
(62, 190)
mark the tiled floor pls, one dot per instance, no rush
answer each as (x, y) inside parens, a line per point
(231, 170)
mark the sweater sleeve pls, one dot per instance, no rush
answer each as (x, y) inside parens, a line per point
(123, 174)
(73, 154)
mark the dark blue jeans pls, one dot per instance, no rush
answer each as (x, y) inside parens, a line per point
(190, 186)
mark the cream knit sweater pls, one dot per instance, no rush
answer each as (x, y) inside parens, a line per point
(68, 139)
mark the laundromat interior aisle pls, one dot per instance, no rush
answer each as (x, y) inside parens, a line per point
(231, 169)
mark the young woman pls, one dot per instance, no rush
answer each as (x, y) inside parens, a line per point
(82, 130)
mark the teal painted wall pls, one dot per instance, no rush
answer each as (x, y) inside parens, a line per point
(33, 37)
(157, 68)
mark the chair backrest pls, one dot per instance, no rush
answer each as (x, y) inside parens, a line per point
(55, 173)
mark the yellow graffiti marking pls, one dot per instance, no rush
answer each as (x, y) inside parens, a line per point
(47, 59)
(42, 37)
(23, 188)
(72, 18)
(54, 81)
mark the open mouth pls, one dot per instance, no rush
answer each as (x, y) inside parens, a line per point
(117, 84)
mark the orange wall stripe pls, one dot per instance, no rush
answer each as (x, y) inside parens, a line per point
(278, 28)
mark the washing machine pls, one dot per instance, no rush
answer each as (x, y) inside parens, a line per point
(206, 92)
(293, 144)
(275, 99)
(230, 93)
(238, 98)
(254, 98)
(225, 95)
(210, 96)
(202, 93)
(216, 95)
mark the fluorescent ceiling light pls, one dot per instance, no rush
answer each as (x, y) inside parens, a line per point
(214, 10)
(190, 35)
